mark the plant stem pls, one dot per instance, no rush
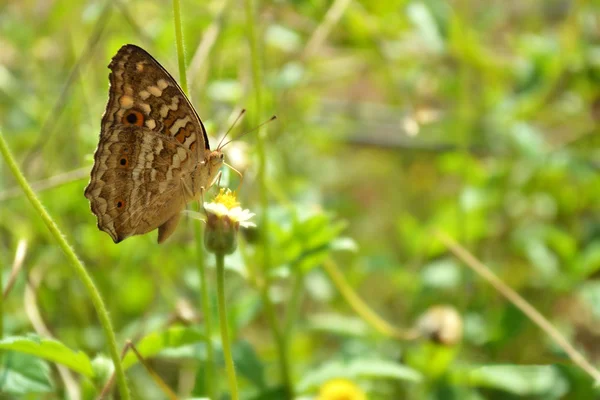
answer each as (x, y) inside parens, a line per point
(361, 308)
(1, 303)
(264, 280)
(1, 280)
(333, 15)
(260, 136)
(293, 308)
(207, 311)
(180, 49)
(229, 367)
(204, 295)
(534, 315)
(77, 265)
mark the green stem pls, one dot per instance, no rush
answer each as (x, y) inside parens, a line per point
(229, 367)
(361, 308)
(1, 303)
(180, 50)
(77, 266)
(523, 305)
(204, 295)
(207, 311)
(294, 303)
(260, 141)
(280, 339)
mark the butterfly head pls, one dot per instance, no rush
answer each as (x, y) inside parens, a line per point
(215, 159)
(214, 162)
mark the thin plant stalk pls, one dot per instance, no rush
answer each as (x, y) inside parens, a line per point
(361, 308)
(16, 267)
(30, 304)
(260, 135)
(279, 337)
(204, 295)
(333, 15)
(294, 303)
(180, 48)
(534, 315)
(77, 265)
(229, 367)
(207, 311)
(1, 305)
(1, 290)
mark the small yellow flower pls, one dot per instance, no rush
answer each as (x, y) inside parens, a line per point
(224, 216)
(227, 198)
(341, 389)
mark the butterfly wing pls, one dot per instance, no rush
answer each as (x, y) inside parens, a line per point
(143, 93)
(151, 141)
(136, 183)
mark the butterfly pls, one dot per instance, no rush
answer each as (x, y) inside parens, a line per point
(153, 156)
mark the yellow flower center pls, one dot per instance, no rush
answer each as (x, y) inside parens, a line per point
(227, 198)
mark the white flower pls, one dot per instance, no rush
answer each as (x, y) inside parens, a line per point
(224, 216)
(237, 215)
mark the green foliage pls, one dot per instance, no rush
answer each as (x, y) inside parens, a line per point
(358, 369)
(153, 343)
(520, 380)
(50, 350)
(395, 118)
(24, 374)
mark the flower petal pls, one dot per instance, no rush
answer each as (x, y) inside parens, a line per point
(216, 208)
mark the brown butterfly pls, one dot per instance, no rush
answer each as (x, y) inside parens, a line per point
(153, 156)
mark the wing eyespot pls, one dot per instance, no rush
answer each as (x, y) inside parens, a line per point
(123, 161)
(133, 117)
(120, 203)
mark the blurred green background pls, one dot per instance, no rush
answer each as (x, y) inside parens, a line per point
(477, 118)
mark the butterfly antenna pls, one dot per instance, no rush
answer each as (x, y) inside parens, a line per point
(273, 118)
(242, 112)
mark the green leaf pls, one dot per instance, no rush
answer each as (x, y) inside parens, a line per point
(528, 140)
(248, 364)
(283, 38)
(590, 259)
(520, 380)
(51, 350)
(421, 16)
(153, 343)
(358, 368)
(384, 369)
(441, 274)
(589, 293)
(305, 240)
(344, 244)
(24, 374)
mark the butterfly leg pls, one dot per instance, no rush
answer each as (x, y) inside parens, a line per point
(218, 178)
(202, 199)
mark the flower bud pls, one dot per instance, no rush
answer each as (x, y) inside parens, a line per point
(441, 324)
(220, 236)
(224, 216)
